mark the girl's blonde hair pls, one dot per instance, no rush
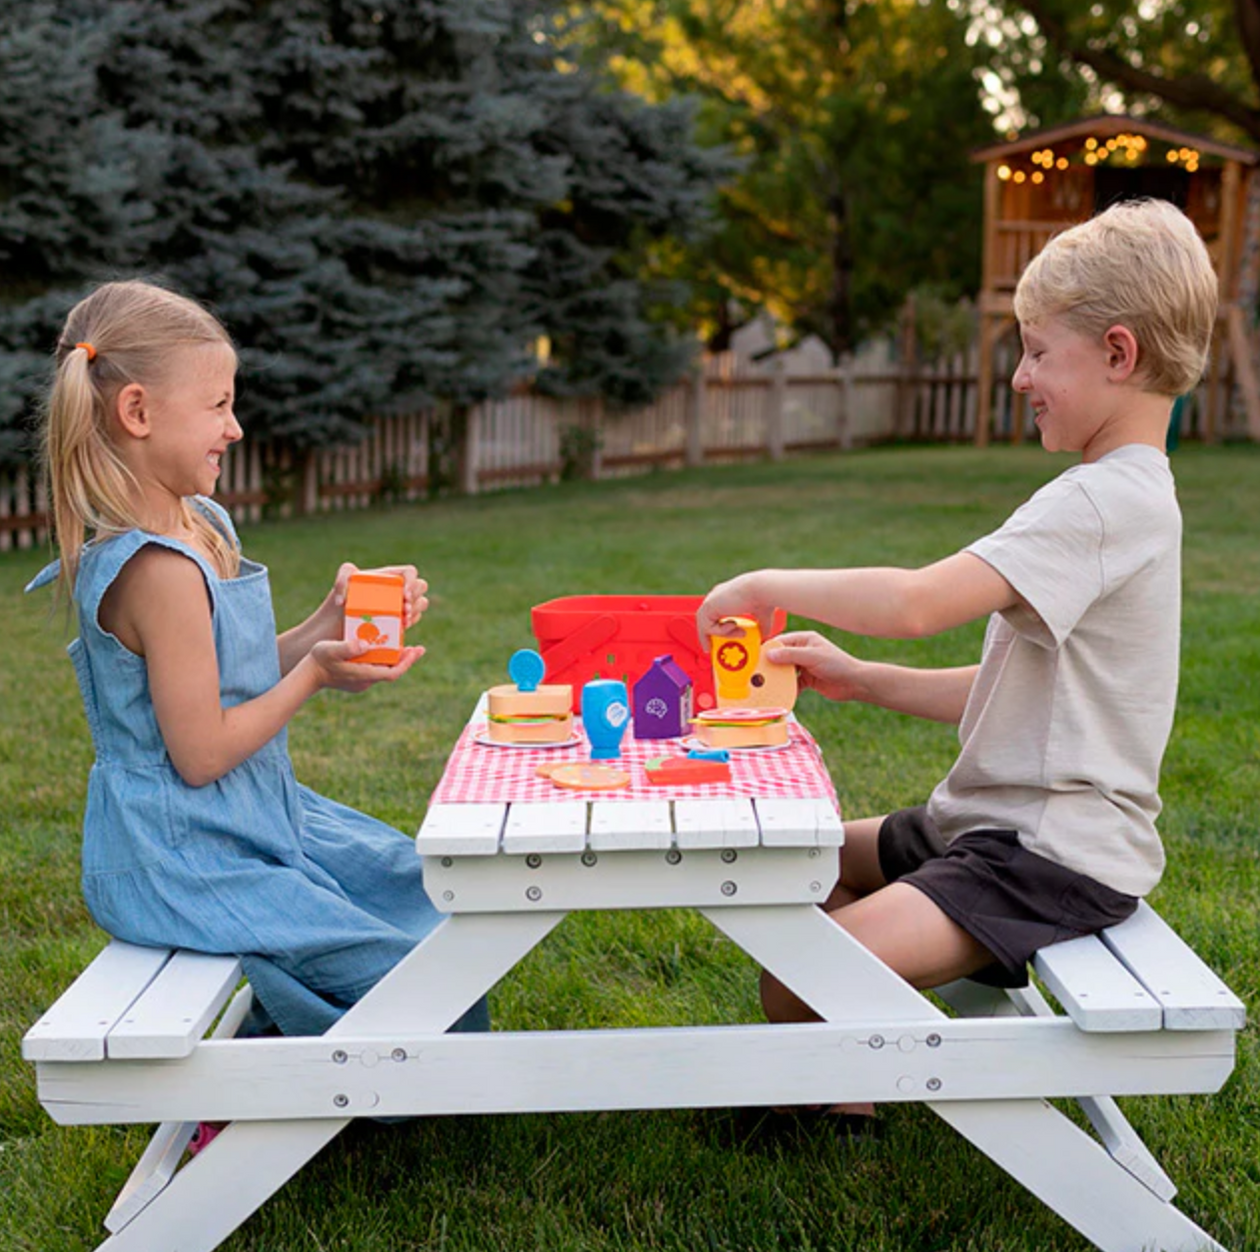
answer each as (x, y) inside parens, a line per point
(123, 333)
(1139, 264)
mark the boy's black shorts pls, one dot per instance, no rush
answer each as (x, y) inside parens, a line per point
(1009, 899)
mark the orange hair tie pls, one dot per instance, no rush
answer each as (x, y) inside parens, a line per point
(91, 351)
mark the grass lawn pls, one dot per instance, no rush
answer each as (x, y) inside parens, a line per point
(662, 1180)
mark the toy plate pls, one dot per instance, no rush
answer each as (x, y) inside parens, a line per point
(692, 742)
(483, 737)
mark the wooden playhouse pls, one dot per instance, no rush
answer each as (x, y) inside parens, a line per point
(1038, 184)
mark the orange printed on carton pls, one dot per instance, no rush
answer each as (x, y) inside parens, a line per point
(375, 605)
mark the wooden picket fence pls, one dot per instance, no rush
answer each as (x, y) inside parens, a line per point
(731, 409)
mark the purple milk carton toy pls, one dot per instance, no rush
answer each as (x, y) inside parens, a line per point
(662, 701)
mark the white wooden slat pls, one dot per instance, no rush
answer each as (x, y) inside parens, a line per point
(157, 1166)
(1095, 989)
(393, 1072)
(803, 823)
(175, 1010)
(646, 878)
(1122, 1142)
(719, 823)
(550, 826)
(630, 825)
(1191, 994)
(75, 1027)
(461, 830)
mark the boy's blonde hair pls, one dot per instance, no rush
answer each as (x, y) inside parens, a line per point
(1139, 264)
(124, 332)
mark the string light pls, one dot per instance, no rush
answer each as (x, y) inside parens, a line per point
(1127, 148)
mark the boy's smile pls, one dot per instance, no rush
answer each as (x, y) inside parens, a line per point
(1065, 376)
(1087, 394)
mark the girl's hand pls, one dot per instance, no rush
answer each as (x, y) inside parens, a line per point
(821, 665)
(333, 663)
(415, 591)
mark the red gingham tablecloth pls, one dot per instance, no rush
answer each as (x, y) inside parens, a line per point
(480, 772)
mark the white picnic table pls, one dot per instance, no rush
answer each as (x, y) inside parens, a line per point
(507, 873)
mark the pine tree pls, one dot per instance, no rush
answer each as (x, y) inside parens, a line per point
(386, 202)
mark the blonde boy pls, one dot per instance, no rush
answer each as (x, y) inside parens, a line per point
(1044, 828)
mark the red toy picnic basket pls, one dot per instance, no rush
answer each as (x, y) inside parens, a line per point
(619, 636)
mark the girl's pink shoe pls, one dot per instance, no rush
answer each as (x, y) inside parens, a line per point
(203, 1136)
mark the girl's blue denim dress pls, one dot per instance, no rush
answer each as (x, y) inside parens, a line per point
(320, 901)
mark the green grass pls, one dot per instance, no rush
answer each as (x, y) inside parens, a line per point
(666, 1180)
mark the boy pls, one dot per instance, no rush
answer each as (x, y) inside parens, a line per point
(1044, 828)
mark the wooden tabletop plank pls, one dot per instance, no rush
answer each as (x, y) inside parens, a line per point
(555, 826)
(725, 822)
(798, 823)
(627, 825)
(461, 830)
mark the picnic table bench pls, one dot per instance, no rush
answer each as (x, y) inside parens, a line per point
(1141, 1015)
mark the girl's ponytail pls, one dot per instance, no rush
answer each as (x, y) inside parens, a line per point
(122, 333)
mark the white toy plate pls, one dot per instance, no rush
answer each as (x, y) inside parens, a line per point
(483, 737)
(692, 742)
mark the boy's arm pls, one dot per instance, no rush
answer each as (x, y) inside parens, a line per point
(939, 695)
(887, 603)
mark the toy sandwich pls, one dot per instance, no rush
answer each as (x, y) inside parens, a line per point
(742, 728)
(525, 712)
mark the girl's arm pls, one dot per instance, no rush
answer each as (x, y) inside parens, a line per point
(887, 603)
(159, 608)
(937, 694)
(327, 620)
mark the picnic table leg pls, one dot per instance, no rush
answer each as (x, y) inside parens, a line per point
(1125, 1145)
(1029, 1138)
(427, 991)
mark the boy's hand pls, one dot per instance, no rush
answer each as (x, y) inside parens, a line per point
(737, 597)
(335, 666)
(821, 665)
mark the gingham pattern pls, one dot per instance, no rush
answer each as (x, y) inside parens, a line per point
(477, 773)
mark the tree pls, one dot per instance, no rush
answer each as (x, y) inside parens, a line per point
(1196, 62)
(370, 194)
(854, 122)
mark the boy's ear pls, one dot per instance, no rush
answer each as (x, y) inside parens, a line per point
(1121, 346)
(132, 407)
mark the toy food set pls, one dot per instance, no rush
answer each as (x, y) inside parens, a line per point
(743, 677)
(619, 636)
(684, 771)
(742, 728)
(578, 776)
(374, 612)
(605, 714)
(663, 702)
(525, 712)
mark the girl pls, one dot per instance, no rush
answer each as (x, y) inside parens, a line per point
(197, 835)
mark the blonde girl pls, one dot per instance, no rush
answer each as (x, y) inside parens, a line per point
(196, 833)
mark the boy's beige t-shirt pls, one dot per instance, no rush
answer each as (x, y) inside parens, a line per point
(1068, 717)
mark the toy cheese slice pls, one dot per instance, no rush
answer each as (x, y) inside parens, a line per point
(374, 613)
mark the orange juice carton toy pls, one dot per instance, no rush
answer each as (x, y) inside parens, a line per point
(523, 712)
(374, 613)
(743, 678)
